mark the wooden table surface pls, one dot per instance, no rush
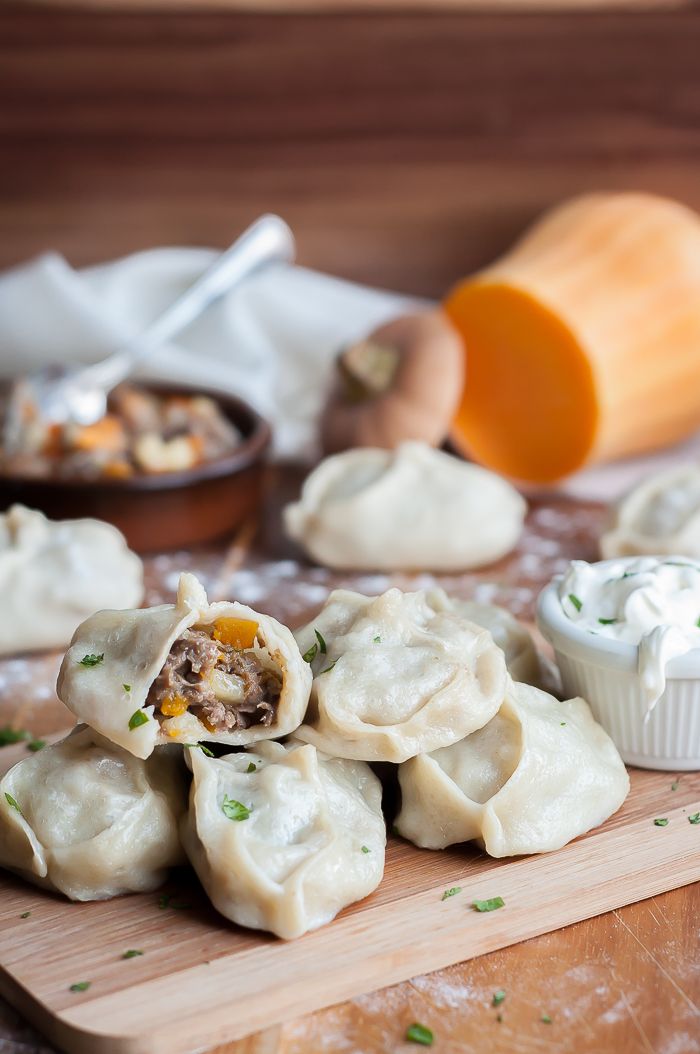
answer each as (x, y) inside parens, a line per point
(627, 982)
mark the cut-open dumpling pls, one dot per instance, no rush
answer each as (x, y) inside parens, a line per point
(90, 820)
(409, 508)
(660, 516)
(282, 837)
(53, 575)
(393, 677)
(536, 776)
(514, 639)
(185, 672)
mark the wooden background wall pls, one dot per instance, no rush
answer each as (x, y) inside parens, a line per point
(405, 148)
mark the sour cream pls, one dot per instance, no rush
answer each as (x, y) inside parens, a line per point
(653, 602)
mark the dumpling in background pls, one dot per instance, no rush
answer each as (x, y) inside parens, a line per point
(539, 774)
(90, 820)
(53, 575)
(394, 678)
(185, 672)
(405, 509)
(660, 516)
(282, 837)
(514, 639)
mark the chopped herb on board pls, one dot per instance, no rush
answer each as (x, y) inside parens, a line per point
(234, 810)
(35, 745)
(578, 604)
(452, 892)
(419, 1034)
(80, 986)
(498, 997)
(12, 802)
(25, 914)
(694, 818)
(132, 953)
(488, 905)
(661, 821)
(137, 719)
(8, 736)
(675, 785)
(91, 660)
(546, 1019)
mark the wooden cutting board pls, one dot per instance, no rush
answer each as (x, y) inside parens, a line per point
(202, 981)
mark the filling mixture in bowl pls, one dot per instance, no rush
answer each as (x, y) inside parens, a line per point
(648, 601)
(141, 433)
(221, 675)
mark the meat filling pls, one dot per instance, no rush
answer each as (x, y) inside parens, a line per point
(191, 680)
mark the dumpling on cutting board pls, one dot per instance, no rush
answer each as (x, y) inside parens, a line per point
(537, 775)
(660, 516)
(514, 639)
(88, 819)
(393, 677)
(185, 672)
(409, 508)
(283, 837)
(54, 574)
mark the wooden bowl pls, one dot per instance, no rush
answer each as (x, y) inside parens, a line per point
(171, 509)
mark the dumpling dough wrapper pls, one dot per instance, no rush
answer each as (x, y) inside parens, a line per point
(185, 672)
(283, 837)
(394, 677)
(90, 820)
(536, 776)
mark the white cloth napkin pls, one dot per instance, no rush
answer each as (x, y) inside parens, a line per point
(271, 341)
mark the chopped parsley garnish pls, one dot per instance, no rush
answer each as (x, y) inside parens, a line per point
(365, 849)
(451, 892)
(695, 818)
(675, 784)
(661, 821)
(377, 640)
(562, 723)
(546, 1019)
(13, 735)
(25, 914)
(578, 604)
(126, 687)
(91, 660)
(419, 1034)
(234, 810)
(329, 668)
(252, 767)
(137, 719)
(200, 746)
(492, 904)
(12, 802)
(697, 623)
(132, 953)
(35, 745)
(498, 997)
(608, 621)
(80, 986)
(321, 642)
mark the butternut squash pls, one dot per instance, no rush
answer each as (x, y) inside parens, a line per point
(583, 342)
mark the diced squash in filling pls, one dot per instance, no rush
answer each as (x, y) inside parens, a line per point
(238, 632)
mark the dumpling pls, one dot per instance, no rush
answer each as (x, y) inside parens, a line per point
(409, 508)
(394, 678)
(185, 672)
(53, 575)
(89, 820)
(660, 516)
(539, 774)
(514, 639)
(282, 837)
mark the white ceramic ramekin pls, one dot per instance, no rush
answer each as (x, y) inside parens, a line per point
(604, 672)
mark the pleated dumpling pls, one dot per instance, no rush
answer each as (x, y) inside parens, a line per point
(283, 837)
(536, 776)
(185, 672)
(393, 677)
(90, 820)
(413, 508)
(514, 639)
(658, 517)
